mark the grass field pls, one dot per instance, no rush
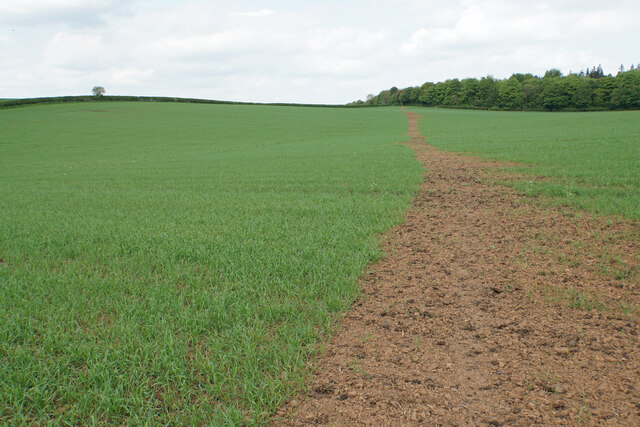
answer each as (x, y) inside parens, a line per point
(592, 160)
(176, 262)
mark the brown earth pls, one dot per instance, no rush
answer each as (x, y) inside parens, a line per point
(486, 310)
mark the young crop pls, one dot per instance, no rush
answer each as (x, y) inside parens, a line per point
(587, 160)
(177, 263)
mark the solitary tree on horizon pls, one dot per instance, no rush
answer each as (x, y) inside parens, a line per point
(98, 91)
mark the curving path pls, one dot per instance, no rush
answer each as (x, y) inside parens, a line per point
(482, 313)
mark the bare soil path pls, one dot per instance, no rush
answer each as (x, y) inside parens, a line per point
(487, 310)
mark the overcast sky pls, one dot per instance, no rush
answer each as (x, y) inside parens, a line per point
(299, 51)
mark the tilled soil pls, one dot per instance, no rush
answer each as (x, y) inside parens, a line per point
(486, 310)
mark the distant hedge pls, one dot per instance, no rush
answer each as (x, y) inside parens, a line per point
(87, 98)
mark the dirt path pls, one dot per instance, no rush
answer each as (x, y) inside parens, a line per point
(486, 311)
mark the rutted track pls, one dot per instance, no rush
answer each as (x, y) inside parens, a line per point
(467, 320)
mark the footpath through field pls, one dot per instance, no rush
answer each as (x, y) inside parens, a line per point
(487, 310)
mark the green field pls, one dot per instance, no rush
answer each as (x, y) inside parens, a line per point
(178, 262)
(592, 160)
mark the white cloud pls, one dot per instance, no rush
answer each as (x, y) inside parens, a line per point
(349, 40)
(130, 76)
(499, 37)
(509, 24)
(329, 52)
(261, 12)
(43, 12)
(76, 52)
(26, 7)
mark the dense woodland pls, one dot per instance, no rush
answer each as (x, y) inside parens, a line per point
(587, 90)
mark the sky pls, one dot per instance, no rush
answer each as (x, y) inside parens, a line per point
(326, 51)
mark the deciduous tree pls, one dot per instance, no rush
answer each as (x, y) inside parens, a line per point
(98, 91)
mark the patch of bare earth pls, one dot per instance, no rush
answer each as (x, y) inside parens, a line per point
(486, 310)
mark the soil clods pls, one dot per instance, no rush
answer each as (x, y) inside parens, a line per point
(486, 310)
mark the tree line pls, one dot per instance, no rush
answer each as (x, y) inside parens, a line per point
(587, 90)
